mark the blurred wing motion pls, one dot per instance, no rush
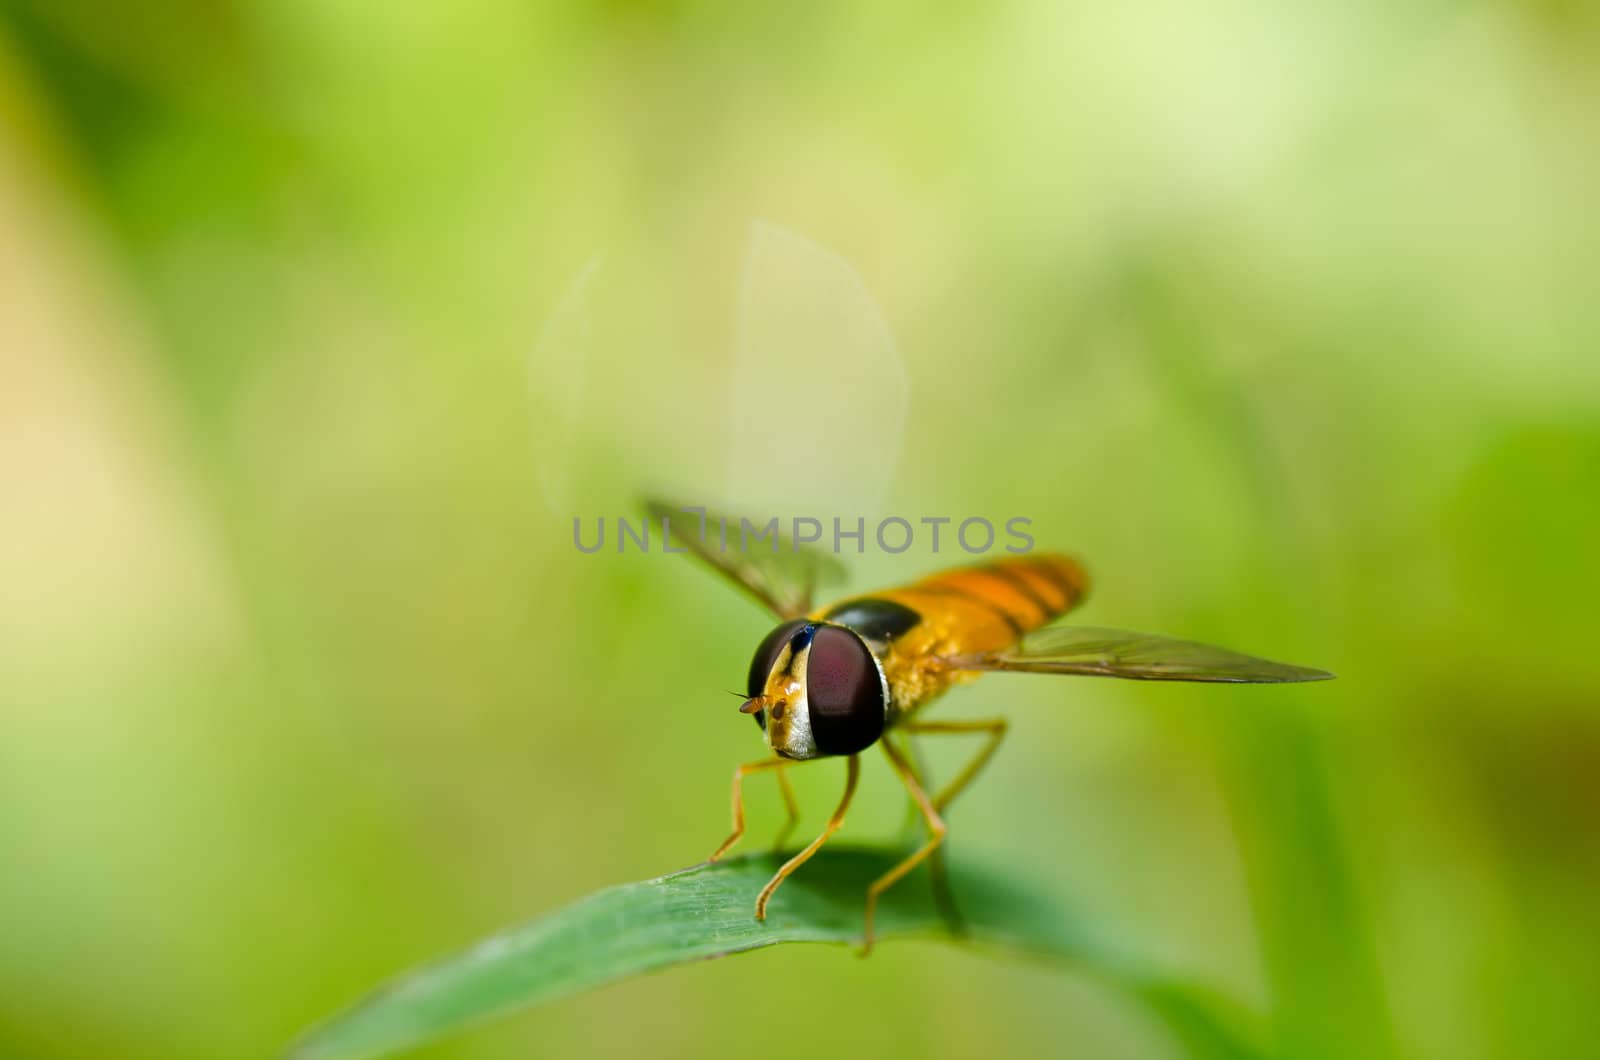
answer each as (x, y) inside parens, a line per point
(1142, 656)
(811, 348)
(558, 381)
(771, 569)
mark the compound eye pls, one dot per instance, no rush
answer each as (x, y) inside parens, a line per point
(766, 656)
(767, 653)
(843, 692)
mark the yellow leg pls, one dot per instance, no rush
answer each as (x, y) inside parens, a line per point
(738, 798)
(911, 750)
(936, 831)
(853, 770)
(791, 805)
(938, 871)
(995, 727)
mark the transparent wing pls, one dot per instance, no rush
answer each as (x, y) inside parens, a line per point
(558, 380)
(1100, 652)
(819, 387)
(755, 555)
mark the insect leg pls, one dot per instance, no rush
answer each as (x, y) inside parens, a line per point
(938, 870)
(852, 772)
(917, 762)
(792, 806)
(738, 798)
(935, 827)
(995, 727)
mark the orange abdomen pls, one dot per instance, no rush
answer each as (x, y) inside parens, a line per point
(970, 609)
(997, 604)
(993, 605)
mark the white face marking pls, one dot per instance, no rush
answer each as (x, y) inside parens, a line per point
(798, 742)
(791, 734)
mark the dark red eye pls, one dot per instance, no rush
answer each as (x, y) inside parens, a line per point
(766, 655)
(844, 692)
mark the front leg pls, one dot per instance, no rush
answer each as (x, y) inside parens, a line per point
(852, 772)
(738, 798)
(790, 805)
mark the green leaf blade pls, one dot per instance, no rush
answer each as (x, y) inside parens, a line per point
(706, 911)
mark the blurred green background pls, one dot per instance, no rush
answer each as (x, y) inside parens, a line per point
(1285, 317)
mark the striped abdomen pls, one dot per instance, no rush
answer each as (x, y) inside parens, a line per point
(979, 608)
(970, 609)
(994, 605)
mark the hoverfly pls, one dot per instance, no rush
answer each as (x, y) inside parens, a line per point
(831, 681)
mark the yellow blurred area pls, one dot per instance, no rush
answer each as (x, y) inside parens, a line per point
(1283, 317)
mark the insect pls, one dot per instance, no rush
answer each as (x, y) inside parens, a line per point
(831, 681)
